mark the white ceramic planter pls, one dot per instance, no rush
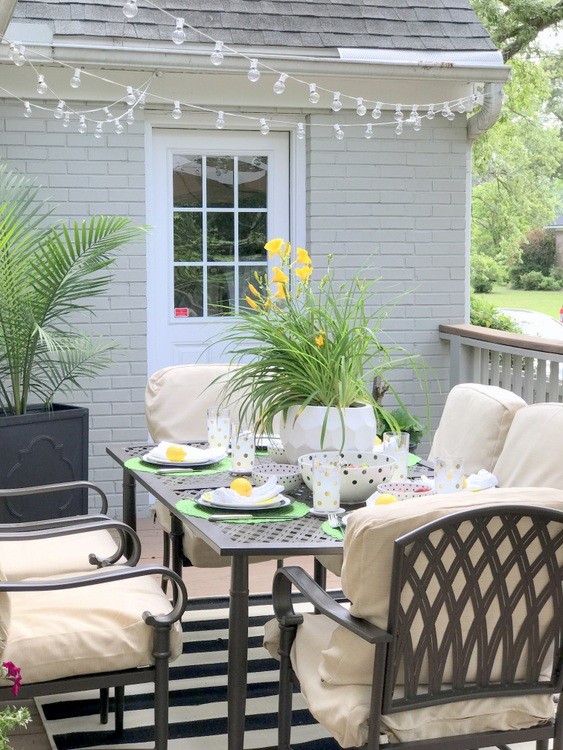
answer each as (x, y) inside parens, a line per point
(303, 434)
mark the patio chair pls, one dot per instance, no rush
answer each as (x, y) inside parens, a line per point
(109, 628)
(453, 637)
(176, 403)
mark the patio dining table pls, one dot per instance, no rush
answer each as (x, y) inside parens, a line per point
(240, 541)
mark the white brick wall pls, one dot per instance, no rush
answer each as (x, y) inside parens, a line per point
(398, 203)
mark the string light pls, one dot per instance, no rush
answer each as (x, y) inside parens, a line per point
(119, 127)
(430, 113)
(130, 98)
(300, 131)
(179, 35)
(460, 106)
(130, 117)
(12, 51)
(264, 127)
(369, 131)
(59, 112)
(41, 85)
(279, 85)
(75, 80)
(398, 115)
(361, 108)
(19, 56)
(82, 127)
(217, 56)
(447, 112)
(109, 116)
(27, 109)
(130, 8)
(176, 112)
(336, 103)
(99, 130)
(254, 73)
(142, 100)
(314, 95)
(376, 114)
(66, 121)
(399, 128)
(338, 132)
(220, 122)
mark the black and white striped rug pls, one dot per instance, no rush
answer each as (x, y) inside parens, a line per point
(198, 696)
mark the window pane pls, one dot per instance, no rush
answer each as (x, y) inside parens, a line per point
(246, 274)
(252, 236)
(252, 172)
(220, 290)
(188, 289)
(186, 181)
(220, 181)
(188, 245)
(220, 237)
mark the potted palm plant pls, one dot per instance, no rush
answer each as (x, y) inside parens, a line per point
(307, 355)
(49, 273)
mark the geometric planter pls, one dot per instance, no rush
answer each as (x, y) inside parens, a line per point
(43, 447)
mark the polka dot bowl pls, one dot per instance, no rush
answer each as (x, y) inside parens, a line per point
(402, 491)
(288, 475)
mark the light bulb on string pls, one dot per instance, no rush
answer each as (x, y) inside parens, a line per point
(376, 112)
(338, 132)
(398, 115)
(176, 112)
(399, 128)
(99, 130)
(220, 121)
(460, 106)
(360, 107)
(314, 95)
(414, 113)
(12, 51)
(430, 114)
(417, 124)
(254, 73)
(179, 35)
(19, 57)
(66, 121)
(369, 131)
(41, 85)
(447, 112)
(336, 103)
(27, 109)
(130, 98)
(217, 56)
(142, 101)
(109, 116)
(300, 131)
(82, 127)
(130, 8)
(130, 117)
(264, 127)
(119, 127)
(279, 85)
(479, 97)
(75, 80)
(59, 111)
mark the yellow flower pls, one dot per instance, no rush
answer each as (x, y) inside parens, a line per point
(279, 276)
(253, 290)
(320, 339)
(303, 256)
(274, 246)
(304, 272)
(281, 292)
(251, 303)
(285, 254)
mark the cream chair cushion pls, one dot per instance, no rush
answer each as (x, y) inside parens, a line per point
(344, 710)
(44, 557)
(5, 614)
(533, 450)
(85, 630)
(474, 425)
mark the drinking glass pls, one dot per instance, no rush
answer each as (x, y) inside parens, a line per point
(396, 445)
(448, 474)
(218, 425)
(326, 486)
(243, 449)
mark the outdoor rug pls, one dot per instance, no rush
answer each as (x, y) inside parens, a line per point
(198, 696)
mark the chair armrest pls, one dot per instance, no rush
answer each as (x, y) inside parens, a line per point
(60, 486)
(285, 577)
(100, 577)
(78, 525)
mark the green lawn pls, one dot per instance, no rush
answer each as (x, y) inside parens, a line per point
(545, 302)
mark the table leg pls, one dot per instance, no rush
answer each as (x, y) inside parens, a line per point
(238, 653)
(129, 504)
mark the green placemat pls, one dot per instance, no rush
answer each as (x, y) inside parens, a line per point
(295, 510)
(329, 531)
(138, 465)
(412, 460)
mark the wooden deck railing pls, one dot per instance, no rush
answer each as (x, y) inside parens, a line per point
(530, 366)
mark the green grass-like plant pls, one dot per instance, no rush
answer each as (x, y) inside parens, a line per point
(48, 274)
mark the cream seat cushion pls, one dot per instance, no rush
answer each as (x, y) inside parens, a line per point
(533, 450)
(85, 630)
(46, 557)
(474, 425)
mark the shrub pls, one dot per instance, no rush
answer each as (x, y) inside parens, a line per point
(484, 273)
(538, 254)
(484, 313)
(537, 281)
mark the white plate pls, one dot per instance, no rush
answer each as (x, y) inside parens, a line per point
(147, 458)
(206, 501)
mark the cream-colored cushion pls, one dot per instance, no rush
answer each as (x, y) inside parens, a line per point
(85, 630)
(533, 450)
(46, 557)
(474, 425)
(5, 615)
(344, 710)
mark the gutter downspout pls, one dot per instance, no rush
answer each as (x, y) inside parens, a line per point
(489, 112)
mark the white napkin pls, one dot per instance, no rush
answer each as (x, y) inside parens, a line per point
(193, 454)
(259, 495)
(483, 480)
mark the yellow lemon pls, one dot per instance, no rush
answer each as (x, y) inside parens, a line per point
(386, 499)
(463, 482)
(241, 486)
(378, 440)
(175, 453)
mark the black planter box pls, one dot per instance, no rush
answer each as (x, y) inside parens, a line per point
(44, 447)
